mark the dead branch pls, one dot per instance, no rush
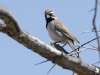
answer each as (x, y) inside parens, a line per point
(89, 31)
(94, 19)
(94, 24)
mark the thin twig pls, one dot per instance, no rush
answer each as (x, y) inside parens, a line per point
(84, 48)
(94, 25)
(96, 63)
(41, 62)
(98, 2)
(94, 19)
(91, 48)
(89, 31)
(91, 9)
(85, 44)
(72, 53)
(51, 68)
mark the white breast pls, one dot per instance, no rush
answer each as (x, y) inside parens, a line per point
(55, 34)
(51, 31)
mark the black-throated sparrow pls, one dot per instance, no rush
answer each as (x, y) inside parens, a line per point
(58, 31)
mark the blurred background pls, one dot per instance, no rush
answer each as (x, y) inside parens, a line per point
(15, 59)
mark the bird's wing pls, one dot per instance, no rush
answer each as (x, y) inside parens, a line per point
(62, 28)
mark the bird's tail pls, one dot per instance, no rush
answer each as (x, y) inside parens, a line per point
(71, 44)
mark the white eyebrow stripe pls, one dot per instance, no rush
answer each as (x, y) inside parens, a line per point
(51, 12)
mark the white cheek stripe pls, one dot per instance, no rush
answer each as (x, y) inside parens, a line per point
(48, 16)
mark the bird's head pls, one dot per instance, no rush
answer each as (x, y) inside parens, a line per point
(50, 15)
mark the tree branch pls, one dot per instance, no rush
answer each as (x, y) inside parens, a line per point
(94, 25)
(12, 29)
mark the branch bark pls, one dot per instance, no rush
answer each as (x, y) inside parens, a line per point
(12, 29)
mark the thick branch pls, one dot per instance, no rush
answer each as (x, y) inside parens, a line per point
(9, 20)
(12, 29)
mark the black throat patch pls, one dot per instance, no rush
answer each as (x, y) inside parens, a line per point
(48, 20)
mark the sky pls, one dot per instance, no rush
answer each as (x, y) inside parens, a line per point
(15, 59)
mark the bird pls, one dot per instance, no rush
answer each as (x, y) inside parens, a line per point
(58, 32)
